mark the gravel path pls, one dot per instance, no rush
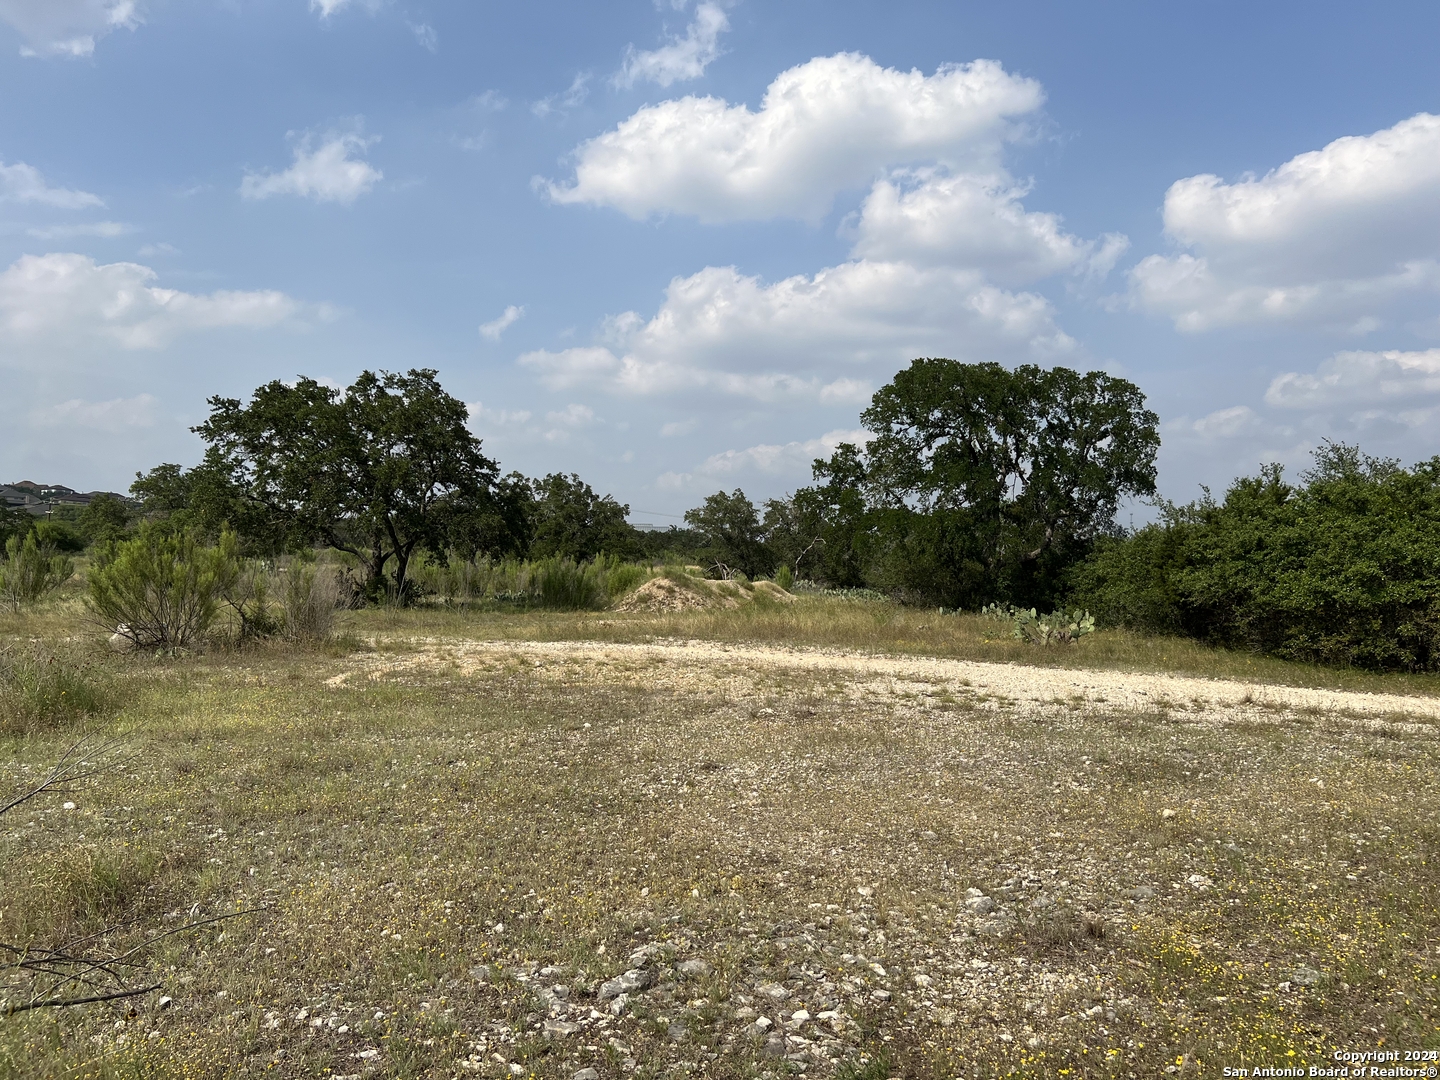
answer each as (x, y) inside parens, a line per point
(1028, 689)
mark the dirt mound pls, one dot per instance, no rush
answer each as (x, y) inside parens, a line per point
(771, 591)
(664, 594)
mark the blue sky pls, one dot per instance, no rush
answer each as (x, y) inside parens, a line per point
(674, 245)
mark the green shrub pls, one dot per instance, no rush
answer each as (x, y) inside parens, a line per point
(565, 585)
(30, 571)
(1342, 568)
(622, 577)
(42, 689)
(784, 577)
(162, 589)
(59, 535)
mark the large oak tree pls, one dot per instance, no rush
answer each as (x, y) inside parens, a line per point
(983, 482)
(380, 469)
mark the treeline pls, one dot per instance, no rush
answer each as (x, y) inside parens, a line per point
(979, 485)
(1342, 568)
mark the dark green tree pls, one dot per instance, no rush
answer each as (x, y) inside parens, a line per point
(733, 534)
(380, 470)
(104, 517)
(51, 532)
(1341, 568)
(570, 520)
(833, 528)
(986, 483)
(499, 524)
(207, 500)
(14, 523)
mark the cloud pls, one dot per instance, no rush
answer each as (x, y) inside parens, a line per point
(113, 417)
(326, 8)
(826, 126)
(23, 183)
(683, 58)
(496, 327)
(938, 247)
(721, 331)
(792, 459)
(572, 415)
(505, 417)
(1351, 379)
(425, 35)
(68, 300)
(576, 95)
(67, 27)
(846, 392)
(489, 101)
(103, 229)
(930, 217)
(325, 173)
(1336, 236)
(1225, 423)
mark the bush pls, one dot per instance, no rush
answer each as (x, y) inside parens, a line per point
(558, 583)
(565, 585)
(784, 578)
(162, 589)
(310, 598)
(42, 690)
(59, 535)
(1342, 569)
(30, 571)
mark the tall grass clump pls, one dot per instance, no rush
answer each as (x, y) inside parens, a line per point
(30, 570)
(310, 599)
(556, 584)
(163, 588)
(565, 585)
(42, 689)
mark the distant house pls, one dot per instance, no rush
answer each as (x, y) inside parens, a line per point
(40, 499)
(23, 496)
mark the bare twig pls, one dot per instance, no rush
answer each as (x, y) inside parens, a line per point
(67, 965)
(70, 769)
(47, 963)
(60, 1003)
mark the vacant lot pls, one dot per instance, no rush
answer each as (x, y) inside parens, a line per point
(809, 861)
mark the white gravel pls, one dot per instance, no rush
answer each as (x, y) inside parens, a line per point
(988, 685)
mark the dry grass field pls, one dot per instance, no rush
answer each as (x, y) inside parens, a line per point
(830, 839)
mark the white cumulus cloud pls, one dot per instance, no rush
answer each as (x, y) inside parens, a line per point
(826, 126)
(495, 327)
(67, 299)
(791, 460)
(1335, 236)
(23, 183)
(682, 58)
(326, 172)
(1356, 378)
(67, 27)
(113, 417)
(721, 331)
(932, 217)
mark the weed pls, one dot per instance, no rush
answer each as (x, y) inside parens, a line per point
(49, 689)
(878, 1066)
